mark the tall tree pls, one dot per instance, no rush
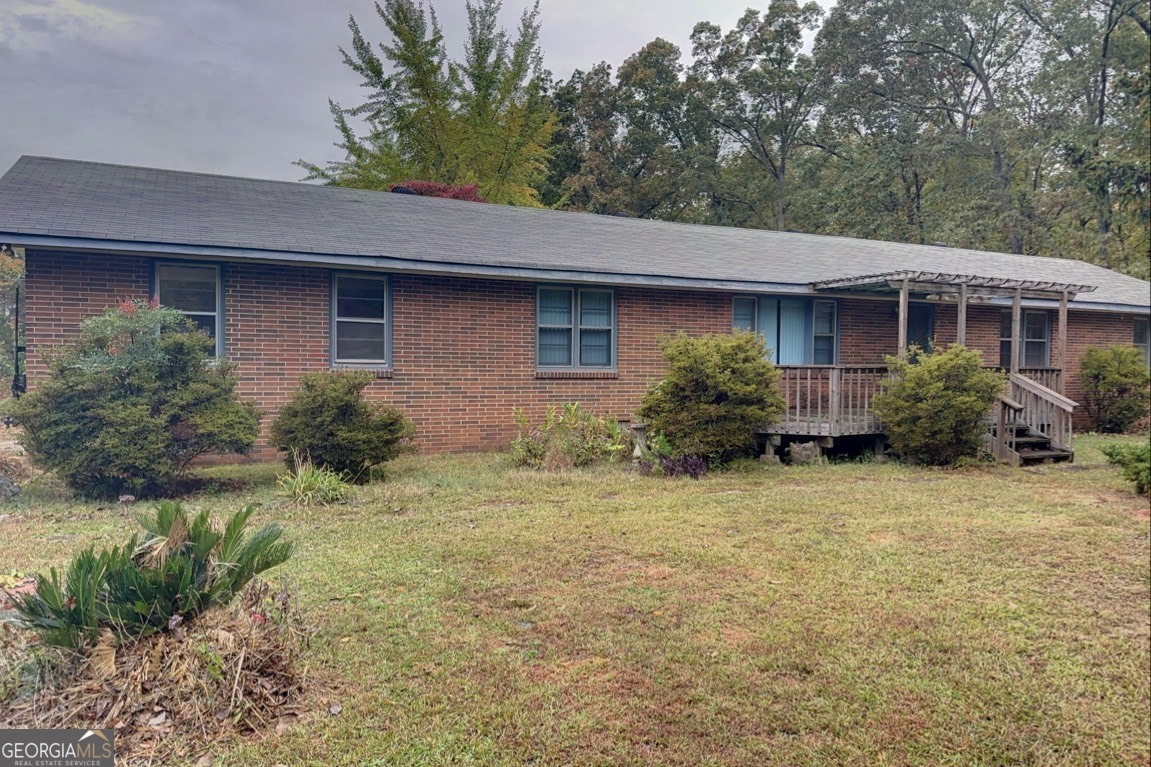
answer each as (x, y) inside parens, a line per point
(639, 146)
(976, 59)
(485, 120)
(761, 88)
(1098, 70)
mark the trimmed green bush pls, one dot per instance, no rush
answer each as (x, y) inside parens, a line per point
(1116, 387)
(329, 422)
(1135, 460)
(178, 569)
(568, 437)
(128, 406)
(718, 390)
(933, 409)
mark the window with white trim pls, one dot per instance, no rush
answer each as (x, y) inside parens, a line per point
(195, 291)
(361, 333)
(799, 331)
(575, 327)
(1035, 339)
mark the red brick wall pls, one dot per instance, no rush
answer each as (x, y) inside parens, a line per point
(60, 291)
(868, 331)
(463, 349)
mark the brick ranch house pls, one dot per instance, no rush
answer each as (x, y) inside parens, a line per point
(467, 311)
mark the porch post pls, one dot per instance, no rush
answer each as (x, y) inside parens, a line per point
(1062, 340)
(961, 318)
(904, 290)
(1016, 320)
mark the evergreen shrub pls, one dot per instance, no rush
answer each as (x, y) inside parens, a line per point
(717, 391)
(933, 407)
(1116, 387)
(128, 405)
(329, 422)
(1135, 460)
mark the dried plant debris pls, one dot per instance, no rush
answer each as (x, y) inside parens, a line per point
(232, 671)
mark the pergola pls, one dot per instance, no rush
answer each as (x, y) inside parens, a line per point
(962, 288)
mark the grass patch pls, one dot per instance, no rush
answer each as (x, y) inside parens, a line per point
(473, 613)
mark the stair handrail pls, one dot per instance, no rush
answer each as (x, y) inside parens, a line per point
(1043, 410)
(1043, 391)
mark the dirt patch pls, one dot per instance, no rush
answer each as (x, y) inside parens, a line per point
(735, 636)
(7, 594)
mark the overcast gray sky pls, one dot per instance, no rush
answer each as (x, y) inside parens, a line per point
(241, 86)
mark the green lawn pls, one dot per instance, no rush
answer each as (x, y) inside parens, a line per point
(851, 614)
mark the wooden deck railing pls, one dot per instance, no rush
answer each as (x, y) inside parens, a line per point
(837, 400)
(829, 400)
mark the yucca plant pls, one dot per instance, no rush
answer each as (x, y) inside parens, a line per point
(176, 570)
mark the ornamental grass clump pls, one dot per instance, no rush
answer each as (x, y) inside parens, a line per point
(717, 391)
(307, 484)
(934, 405)
(129, 405)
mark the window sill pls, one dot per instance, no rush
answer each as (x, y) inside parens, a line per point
(577, 374)
(380, 373)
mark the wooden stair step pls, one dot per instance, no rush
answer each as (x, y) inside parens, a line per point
(1033, 441)
(1054, 455)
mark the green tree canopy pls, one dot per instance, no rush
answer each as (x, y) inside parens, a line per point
(485, 120)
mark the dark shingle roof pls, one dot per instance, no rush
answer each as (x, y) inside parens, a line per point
(71, 199)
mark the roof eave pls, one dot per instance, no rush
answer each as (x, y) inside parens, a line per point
(417, 266)
(390, 264)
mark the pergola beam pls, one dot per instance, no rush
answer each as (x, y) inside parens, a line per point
(948, 292)
(941, 282)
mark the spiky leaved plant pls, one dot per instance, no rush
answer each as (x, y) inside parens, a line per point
(176, 570)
